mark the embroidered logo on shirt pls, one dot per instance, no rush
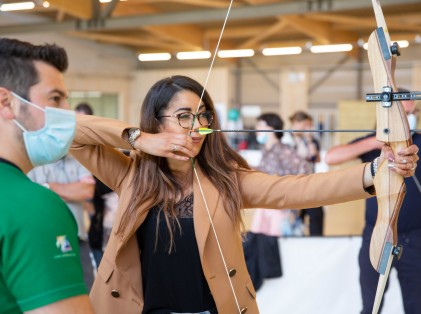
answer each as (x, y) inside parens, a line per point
(63, 244)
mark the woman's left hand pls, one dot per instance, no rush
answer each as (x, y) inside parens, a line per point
(404, 163)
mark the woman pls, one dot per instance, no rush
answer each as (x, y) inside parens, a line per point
(165, 254)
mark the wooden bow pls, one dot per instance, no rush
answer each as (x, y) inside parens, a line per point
(393, 130)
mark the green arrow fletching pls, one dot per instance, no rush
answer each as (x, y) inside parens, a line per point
(204, 131)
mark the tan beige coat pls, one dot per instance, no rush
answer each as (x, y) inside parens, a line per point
(118, 286)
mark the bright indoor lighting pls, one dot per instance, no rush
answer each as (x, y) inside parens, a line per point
(191, 55)
(281, 51)
(239, 53)
(46, 4)
(401, 43)
(154, 56)
(331, 48)
(17, 6)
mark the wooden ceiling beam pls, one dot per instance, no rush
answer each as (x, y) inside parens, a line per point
(321, 31)
(200, 3)
(235, 32)
(188, 36)
(254, 41)
(255, 2)
(153, 44)
(134, 9)
(362, 21)
(81, 9)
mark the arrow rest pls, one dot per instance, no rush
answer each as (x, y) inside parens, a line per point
(395, 49)
(397, 251)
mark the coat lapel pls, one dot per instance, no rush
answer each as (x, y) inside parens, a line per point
(210, 197)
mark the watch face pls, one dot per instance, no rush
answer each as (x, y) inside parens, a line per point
(134, 133)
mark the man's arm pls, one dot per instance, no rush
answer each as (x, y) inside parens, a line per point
(74, 305)
(347, 152)
(74, 192)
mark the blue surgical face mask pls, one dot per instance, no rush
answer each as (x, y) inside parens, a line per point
(53, 141)
(412, 121)
(262, 139)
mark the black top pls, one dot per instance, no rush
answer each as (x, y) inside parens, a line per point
(172, 282)
(96, 229)
(409, 215)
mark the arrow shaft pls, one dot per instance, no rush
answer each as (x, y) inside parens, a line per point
(298, 131)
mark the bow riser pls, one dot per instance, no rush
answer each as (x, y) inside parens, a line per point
(392, 129)
(391, 190)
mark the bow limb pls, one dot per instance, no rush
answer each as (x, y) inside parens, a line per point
(393, 130)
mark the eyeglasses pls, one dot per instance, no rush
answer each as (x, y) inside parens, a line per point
(185, 119)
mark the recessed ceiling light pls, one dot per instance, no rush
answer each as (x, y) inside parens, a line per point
(17, 6)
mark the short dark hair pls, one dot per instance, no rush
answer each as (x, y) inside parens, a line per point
(300, 116)
(85, 108)
(273, 120)
(17, 69)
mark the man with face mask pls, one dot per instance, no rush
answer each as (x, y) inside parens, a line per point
(39, 254)
(409, 222)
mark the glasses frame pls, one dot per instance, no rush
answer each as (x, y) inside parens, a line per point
(195, 117)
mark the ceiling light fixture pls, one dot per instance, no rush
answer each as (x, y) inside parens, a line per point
(401, 43)
(17, 6)
(192, 55)
(46, 4)
(331, 48)
(154, 56)
(282, 51)
(239, 53)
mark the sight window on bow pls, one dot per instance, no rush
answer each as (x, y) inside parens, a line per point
(186, 119)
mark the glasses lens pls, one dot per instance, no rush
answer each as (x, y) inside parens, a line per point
(206, 118)
(185, 120)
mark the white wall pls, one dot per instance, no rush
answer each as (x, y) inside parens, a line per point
(321, 276)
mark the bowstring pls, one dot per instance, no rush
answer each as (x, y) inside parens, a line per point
(193, 164)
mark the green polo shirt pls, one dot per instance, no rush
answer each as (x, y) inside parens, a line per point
(39, 252)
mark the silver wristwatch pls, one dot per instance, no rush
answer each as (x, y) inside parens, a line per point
(133, 133)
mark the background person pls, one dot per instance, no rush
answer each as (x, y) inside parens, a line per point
(40, 269)
(102, 207)
(308, 148)
(409, 222)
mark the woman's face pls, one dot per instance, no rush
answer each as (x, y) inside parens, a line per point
(183, 103)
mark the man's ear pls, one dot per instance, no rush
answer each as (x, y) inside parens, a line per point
(6, 110)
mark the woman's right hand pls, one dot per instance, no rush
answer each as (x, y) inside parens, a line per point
(169, 145)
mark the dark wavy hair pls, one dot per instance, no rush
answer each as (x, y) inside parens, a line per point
(273, 120)
(17, 68)
(154, 181)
